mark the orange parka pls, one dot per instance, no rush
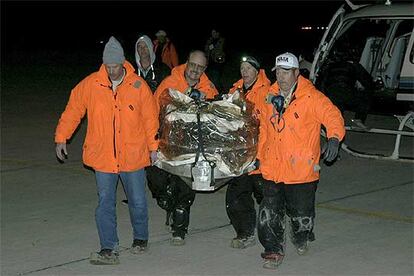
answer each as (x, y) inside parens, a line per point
(255, 95)
(169, 53)
(177, 81)
(259, 90)
(289, 151)
(122, 125)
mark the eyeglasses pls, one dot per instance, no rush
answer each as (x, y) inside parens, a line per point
(195, 66)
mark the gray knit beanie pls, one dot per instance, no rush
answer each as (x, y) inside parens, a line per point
(113, 52)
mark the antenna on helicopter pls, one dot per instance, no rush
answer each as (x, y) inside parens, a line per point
(353, 6)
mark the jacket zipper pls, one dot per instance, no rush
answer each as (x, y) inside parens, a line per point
(114, 131)
(114, 138)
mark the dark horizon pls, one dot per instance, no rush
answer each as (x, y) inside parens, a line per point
(74, 25)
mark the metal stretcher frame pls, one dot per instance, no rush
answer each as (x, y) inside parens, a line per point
(406, 120)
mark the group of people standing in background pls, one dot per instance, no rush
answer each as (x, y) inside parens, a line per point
(122, 105)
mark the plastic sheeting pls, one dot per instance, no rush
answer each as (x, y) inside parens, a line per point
(225, 134)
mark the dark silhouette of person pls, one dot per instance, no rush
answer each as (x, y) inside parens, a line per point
(339, 82)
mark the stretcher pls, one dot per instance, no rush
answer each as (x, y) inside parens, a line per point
(405, 128)
(206, 143)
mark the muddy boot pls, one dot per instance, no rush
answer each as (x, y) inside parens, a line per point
(243, 242)
(139, 246)
(272, 260)
(177, 240)
(302, 249)
(104, 257)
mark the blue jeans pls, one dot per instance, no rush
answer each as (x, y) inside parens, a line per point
(105, 213)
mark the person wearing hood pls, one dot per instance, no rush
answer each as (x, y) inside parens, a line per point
(121, 140)
(289, 151)
(240, 208)
(149, 68)
(171, 192)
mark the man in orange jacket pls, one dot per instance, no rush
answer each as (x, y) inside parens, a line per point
(289, 152)
(121, 141)
(171, 192)
(165, 50)
(254, 86)
(188, 76)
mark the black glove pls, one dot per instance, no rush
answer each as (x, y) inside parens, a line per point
(195, 94)
(278, 102)
(331, 149)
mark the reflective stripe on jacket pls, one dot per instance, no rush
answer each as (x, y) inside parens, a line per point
(290, 150)
(122, 126)
(177, 81)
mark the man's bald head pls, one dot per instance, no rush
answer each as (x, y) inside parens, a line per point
(196, 65)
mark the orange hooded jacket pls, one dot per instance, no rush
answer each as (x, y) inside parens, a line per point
(289, 151)
(177, 81)
(169, 54)
(122, 126)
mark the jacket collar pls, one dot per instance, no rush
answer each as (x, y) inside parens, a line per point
(178, 72)
(102, 75)
(261, 80)
(302, 87)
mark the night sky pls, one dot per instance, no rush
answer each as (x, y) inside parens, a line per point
(74, 25)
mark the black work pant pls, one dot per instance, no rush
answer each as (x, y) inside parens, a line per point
(174, 196)
(279, 199)
(240, 203)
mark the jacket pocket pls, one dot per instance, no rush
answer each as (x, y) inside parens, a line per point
(300, 165)
(94, 155)
(135, 154)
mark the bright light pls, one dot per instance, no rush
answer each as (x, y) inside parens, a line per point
(309, 28)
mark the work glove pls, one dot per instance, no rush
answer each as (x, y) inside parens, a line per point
(257, 164)
(278, 102)
(331, 149)
(197, 95)
(153, 156)
(61, 152)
